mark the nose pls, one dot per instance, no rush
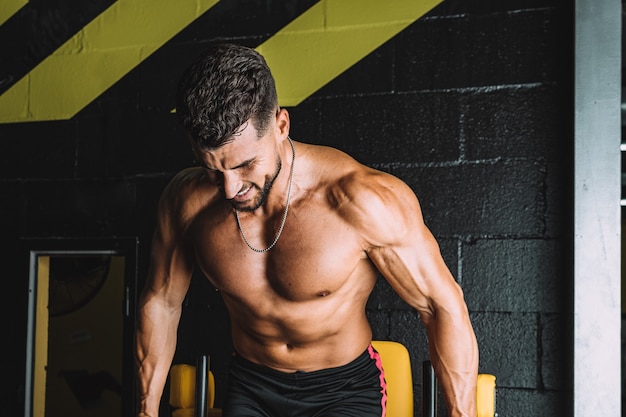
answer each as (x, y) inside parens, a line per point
(231, 184)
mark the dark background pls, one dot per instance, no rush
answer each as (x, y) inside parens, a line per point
(471, 105)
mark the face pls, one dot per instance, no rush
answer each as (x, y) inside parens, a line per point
(244, 169)
(261, 193)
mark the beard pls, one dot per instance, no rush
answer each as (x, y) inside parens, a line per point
(262, 192)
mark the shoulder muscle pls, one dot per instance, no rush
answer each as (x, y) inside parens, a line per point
(183, 197)
(382, 207)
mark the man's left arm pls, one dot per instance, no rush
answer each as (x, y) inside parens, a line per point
(408, 256)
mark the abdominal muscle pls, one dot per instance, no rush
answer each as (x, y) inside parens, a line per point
(306, 339)
(329, 329)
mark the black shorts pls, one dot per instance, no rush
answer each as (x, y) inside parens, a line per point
(357, 389)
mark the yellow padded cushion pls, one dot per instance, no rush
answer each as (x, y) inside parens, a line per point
(486, 395)
(183, 412)
(183, 387)
(397, 365)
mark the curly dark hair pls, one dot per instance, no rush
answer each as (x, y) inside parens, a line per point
(223, 89)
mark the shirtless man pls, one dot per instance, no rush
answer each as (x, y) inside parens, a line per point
(292, 235)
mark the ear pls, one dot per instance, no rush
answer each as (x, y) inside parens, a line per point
(282, 123)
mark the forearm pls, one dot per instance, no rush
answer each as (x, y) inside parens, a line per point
(454, 355)
(155, 347)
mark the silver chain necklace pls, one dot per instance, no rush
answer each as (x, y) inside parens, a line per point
(280, 230)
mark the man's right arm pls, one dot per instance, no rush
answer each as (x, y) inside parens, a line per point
(160, 304)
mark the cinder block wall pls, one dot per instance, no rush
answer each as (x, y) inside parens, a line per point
(470, 105)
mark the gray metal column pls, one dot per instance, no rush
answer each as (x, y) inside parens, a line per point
(597, 314)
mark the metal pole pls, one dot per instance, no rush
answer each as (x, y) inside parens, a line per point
(202, 373)
(429, 390)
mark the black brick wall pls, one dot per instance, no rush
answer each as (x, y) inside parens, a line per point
(470, 105)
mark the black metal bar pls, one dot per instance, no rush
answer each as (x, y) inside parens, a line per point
(429, 390)
(202, 372)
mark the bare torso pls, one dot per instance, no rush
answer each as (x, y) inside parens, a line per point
(301, 305)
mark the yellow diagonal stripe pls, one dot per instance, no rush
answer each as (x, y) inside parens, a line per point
(330, 37)
(95, 58)
(9, 7)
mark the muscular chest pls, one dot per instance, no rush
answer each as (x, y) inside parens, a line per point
(316, 255)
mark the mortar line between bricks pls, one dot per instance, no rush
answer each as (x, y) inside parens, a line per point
(472, 89)
(473, 238)
(540, 383)
(444, 164)
(464, 109)
(482, 88)
(474, 14)
(156, 175)
(459, 261)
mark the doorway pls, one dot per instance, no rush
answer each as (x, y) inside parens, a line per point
(80, 328)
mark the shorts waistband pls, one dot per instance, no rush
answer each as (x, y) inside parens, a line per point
(363, 359)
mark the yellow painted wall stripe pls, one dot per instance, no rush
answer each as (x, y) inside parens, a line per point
(330, 37)
(95, 58)
(9, 7)
(305, 55)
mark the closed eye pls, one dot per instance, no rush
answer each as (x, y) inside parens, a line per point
(245, 164)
